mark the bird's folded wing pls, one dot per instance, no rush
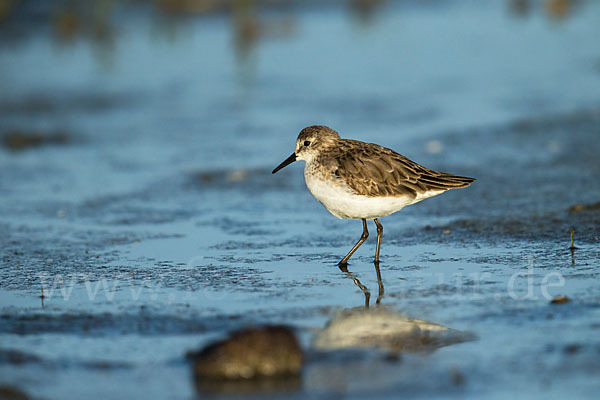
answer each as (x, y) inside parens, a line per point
(373, 170)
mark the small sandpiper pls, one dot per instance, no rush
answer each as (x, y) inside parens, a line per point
(358, 180)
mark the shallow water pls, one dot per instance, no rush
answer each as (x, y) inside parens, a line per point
(157, 227)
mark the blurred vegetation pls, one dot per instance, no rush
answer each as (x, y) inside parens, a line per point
(99, 21)
(556, 9)
(96, 18)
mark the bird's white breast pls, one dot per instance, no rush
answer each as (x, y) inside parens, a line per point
(342, 202)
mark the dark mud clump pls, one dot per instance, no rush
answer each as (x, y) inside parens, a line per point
(585, 207)
(560, 300)
(12, 393)
(249, 354)
(256, 359)
(20, 140)
(16, 357)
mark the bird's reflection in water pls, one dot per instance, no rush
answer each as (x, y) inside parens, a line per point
(387, 330)
(383, 350)
(364, 289)
(383, 328)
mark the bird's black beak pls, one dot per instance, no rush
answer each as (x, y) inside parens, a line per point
(287, 162)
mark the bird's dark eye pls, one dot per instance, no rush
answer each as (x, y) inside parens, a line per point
(306, 142)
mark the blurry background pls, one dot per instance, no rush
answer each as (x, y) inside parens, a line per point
(163, 79)
(137, 140)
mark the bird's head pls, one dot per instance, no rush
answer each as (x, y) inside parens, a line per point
(311, 141)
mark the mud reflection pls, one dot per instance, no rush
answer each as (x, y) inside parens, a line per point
(249, 387)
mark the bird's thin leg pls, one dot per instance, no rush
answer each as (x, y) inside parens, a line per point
(342, 264)
(380, 283)
(379, 236)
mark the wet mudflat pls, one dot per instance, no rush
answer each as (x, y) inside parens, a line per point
(139, 219)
